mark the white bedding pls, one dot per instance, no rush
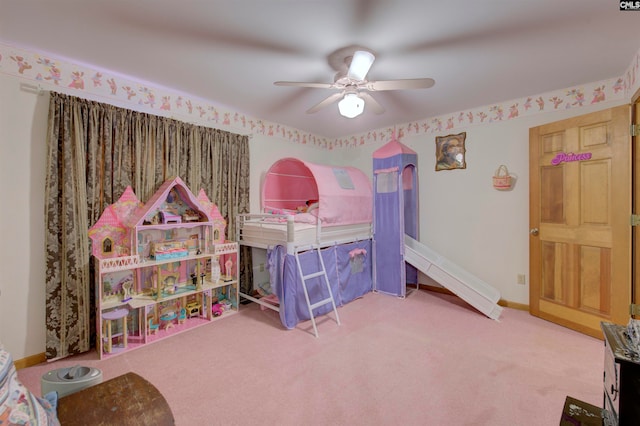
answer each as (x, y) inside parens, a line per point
(266, 231)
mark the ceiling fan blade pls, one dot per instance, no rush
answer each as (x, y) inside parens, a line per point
(325, 102)
(360, 64)
(303, 84)
(411, 83)
(371, 103)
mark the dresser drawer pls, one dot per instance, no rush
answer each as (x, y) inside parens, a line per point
(621, 377)
(611, 382)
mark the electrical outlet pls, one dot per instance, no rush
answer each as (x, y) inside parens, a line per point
(262, 267)
(522, 279)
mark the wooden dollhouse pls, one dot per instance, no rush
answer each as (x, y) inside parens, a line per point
(159, 267)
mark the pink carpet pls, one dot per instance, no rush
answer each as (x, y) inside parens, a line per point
(429, 359)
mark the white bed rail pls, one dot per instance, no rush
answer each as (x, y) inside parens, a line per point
(259, 220)
(255, 231)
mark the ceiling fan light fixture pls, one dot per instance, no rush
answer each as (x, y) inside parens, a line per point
(360, 64)
(352, 86)
(351, 105)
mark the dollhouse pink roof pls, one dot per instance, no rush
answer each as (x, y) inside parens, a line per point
(108, 219)
(126, 206)
(119, 218)
(208, 206)
(161, 195)
(114, 220)
(218, 221)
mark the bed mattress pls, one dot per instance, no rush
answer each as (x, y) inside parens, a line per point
(262, 231)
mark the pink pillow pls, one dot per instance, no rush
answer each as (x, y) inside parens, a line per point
(305, 218)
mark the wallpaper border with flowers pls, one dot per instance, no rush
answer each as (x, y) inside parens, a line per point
(48, 72)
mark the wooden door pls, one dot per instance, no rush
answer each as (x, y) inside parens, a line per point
(636, 188)
(580, 233)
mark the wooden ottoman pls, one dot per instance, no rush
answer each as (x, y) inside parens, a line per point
(125, 400)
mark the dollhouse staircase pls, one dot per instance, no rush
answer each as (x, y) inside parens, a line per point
(322, 273)
(451, 276)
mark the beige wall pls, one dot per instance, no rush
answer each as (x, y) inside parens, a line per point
(461, 215)
(22, 268)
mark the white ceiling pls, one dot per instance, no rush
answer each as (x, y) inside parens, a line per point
(230, 52)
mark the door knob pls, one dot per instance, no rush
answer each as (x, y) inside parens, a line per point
(534, 231)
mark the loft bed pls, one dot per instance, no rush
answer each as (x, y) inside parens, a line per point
(303, 206)
(304, 203)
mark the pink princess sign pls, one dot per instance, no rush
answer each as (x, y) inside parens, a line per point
(565, 157)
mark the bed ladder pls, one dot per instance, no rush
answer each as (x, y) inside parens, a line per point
(305, 278)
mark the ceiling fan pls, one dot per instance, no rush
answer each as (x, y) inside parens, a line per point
(352, 84)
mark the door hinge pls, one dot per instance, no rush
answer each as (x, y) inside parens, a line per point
(635, 130)
(634, 309)
(635, 220)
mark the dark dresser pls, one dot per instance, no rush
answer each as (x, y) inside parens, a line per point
(621, 377)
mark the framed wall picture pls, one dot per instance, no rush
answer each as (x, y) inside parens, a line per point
(450, 152)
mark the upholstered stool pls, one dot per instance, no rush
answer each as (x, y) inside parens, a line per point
(125, 400)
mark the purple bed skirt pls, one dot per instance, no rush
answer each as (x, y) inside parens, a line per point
(348, 267)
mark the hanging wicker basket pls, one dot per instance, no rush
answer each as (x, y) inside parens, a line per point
(502, 179)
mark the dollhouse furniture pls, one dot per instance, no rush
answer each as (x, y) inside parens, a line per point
(168, 217)
(108, 317)
(341, 223)
(193, 309)
(167, 318)
(182, 316)
(145, 259)
(153, 327)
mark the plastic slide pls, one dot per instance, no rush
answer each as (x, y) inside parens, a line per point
(462, 283)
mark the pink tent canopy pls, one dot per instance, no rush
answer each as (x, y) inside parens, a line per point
(344, 193)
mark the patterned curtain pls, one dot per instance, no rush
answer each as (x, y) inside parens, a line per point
(94, 152)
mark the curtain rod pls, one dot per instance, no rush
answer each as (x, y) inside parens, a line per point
(30, 88)
(38, 90)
